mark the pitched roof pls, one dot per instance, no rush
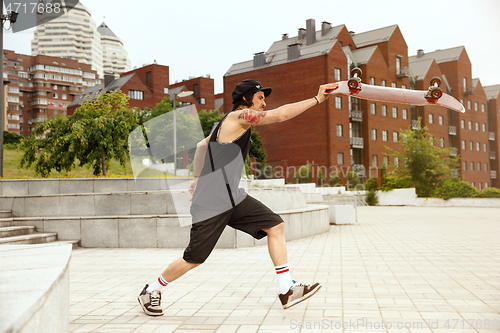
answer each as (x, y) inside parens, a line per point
(278, 52)
(492, 92)
(419, 67)
(92, 92)
(362, 56)
(440, 56)
(374, 36)
(104, 30)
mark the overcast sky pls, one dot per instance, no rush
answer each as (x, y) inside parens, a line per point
(200, 37)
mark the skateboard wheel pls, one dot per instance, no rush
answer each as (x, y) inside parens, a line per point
(353, 83)
(435, 80)
(434, 93)
(356, 72)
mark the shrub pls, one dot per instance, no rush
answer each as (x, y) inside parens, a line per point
(371, 184)
(455, 188)
(391, 183)
(352, 179)
(303, 175)
(372, 198)
(489, 192)
(335, 180)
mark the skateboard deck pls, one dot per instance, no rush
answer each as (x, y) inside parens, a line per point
(397, 95)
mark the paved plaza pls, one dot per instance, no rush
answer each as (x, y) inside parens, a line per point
(398, 269)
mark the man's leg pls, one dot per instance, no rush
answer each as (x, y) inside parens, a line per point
(290, 294)
(177, 269)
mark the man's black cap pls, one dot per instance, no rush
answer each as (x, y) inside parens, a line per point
(249, 86)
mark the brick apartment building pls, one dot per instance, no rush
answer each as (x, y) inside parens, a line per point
(352, 133)
(148, 85)
(40, 87)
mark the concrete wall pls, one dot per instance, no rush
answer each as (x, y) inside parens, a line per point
(45, 301)
(397, 197)
(458, 202)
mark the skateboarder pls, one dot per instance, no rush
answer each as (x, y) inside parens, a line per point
(217, 201)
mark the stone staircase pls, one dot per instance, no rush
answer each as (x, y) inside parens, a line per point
(13, 234)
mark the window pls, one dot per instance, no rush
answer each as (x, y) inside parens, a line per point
(338, 102)
(431, 118)
(64, 104)
(472, 167)
(478, 166)
(372, 81)
(373, 108)
(393, 85)
(465, 166)
(195, 89)
(339, 130)
(64, 96)
(441, 142)
(136, 94)
(482, 110)
(471, 145)
(374, 160)
(374, 134)
(465, 84)
(473, 184)
(480, 185)
(476, 107)
(484, 127)
(340, 158)
(470, 125)
(384, 136)
(462, 101)
(63, 88)
(386, 161)
(201, 101)
(478, 146)
(486, 169)
(431, 141)
(383, 83)
(403, 86)
(405, 114)
(394, 112)
(469, 105)
(337, 74)
(440, 120)
(395, 136)
(148, 77)
(463, 144)
(55, 86)
(384, 110)
(398, 65)
(462, 124)
(477, 127)
(56, 104)
(484, 147)
(396, 161)
(55, 95)
(485, 185)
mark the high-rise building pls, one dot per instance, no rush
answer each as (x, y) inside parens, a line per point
(72, 36)
(114, 55)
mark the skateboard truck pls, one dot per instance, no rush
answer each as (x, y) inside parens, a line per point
(434, 92)
(355, 81)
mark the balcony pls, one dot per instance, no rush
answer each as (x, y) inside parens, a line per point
(454, 173)
(491, 136)
(414, 124)
(493, 155)
(356, 115)
(493, 174)
(452, 130)
(75, 91)
(359, 169)
(403, 72)
(453, 151)
(39, 119)
(357, 142)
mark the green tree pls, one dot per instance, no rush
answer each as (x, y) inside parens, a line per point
(304, 175)
(97, 132)
(425, 165)
(9, 138)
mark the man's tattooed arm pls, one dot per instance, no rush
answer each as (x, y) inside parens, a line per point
(252, 116)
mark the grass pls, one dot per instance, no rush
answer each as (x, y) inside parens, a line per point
(12, 169)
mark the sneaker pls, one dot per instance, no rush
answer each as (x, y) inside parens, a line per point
(298, 293)
(151, 302)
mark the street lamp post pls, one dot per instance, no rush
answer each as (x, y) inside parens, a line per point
(180, 94)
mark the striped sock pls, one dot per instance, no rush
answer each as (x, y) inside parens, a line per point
(284, 279)
(159, 284)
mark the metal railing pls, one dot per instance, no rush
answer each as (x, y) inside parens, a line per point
(356, 115)
(452, 130)
(493, 155)
(491, 136)
(493, 174)
(414, 124)
(357, 142)
(453, 151)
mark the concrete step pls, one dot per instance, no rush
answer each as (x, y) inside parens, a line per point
(74, 242)
(30, 239)
(5, 213)
(5, 222)
(16, 231)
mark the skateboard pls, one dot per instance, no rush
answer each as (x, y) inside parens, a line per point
(433, 96)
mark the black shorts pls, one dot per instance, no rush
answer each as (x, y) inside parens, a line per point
(250, 216)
